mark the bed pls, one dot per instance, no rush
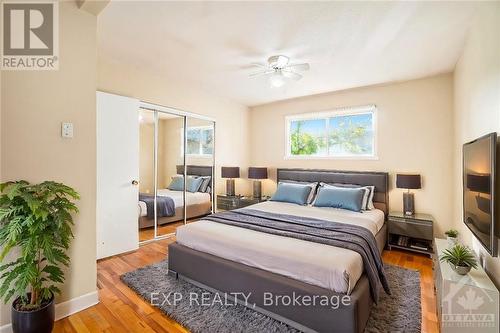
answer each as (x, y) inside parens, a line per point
(226, 258)
(197, 203)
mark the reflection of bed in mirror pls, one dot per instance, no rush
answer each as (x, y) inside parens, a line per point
(197, 203)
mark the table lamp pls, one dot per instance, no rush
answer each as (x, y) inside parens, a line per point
(230, 173)
(257, 174)
(408, 182)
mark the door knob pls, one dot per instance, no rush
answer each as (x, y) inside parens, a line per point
(135, 182)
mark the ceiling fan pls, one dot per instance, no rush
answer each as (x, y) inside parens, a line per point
(279, 70)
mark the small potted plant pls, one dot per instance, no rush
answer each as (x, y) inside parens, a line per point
(36, 219)
(452, 236)
(460, 258)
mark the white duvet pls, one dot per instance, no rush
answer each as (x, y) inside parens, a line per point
(191, 199)
(322, 265)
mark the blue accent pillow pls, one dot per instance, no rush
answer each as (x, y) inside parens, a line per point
(193, 184)
(293, 193)
(177, 184)
(338, 197)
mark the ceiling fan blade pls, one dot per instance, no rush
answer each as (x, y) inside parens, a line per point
(256, 64)
(291, 75)
(299, 67)
(263, 72)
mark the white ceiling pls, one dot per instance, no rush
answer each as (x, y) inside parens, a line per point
(348, 44)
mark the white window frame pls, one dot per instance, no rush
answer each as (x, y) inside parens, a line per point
(345, 111)
(200, 147)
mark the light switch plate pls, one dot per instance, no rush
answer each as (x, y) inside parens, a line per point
(67, 130)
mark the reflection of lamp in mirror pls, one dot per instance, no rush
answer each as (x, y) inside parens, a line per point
(408, 182)
(257, 173)
(230, 173)
(480, 183)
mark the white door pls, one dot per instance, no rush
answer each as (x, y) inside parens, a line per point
(117, 169)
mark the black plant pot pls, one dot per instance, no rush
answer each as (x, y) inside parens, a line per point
(38, 321)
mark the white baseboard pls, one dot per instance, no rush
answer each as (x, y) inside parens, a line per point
(67, 308)
(76, 304)
(6, 328)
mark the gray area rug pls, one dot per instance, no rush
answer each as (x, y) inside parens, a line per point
(399, 312)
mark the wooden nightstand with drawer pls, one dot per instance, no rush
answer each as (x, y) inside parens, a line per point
(413, 233)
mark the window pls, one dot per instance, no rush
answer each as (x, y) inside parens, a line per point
(343, 133)
(200, 140)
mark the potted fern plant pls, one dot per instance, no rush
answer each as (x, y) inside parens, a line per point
(460, 258)
(36, 219)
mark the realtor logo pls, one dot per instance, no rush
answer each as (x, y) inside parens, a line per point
(466, 309)
(30, 39)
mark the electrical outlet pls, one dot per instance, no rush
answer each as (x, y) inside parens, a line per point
(67, 130)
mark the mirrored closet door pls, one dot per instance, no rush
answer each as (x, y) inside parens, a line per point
(170, 177)
(200, 149)
(146, 175)
(154, 171)
(177, 171)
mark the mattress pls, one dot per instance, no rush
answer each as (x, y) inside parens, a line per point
(191, 199)
(322, 265)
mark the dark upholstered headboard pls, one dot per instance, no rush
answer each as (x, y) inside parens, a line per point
(378, 179)
(195, 170)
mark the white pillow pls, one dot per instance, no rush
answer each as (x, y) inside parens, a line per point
(370, 199)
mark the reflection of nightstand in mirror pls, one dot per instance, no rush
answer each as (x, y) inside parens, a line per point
(225, 202)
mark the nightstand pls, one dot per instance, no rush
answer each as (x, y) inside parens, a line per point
(413, 233)
(225, 202)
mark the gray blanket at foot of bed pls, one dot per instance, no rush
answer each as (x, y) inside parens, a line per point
(346, 236)
(165, 205)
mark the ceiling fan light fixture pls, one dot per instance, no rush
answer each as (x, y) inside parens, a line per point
(279, 71)
(277, 80)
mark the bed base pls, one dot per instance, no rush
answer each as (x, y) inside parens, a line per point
(225, 276)
(193, 211)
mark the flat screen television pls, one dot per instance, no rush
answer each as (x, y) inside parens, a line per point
(479, 176)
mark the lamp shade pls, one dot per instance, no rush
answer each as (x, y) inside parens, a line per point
(230, 172)
(408, 181)
(257, 173)
(478, 183)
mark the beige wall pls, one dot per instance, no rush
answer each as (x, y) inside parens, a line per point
(477, 107)
(414, 135)
(169, 149)
(231, 118)
(34, 103)
(146, 158)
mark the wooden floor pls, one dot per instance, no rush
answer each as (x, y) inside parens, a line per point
(149, 233)
(121, 310)
(163, 230)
